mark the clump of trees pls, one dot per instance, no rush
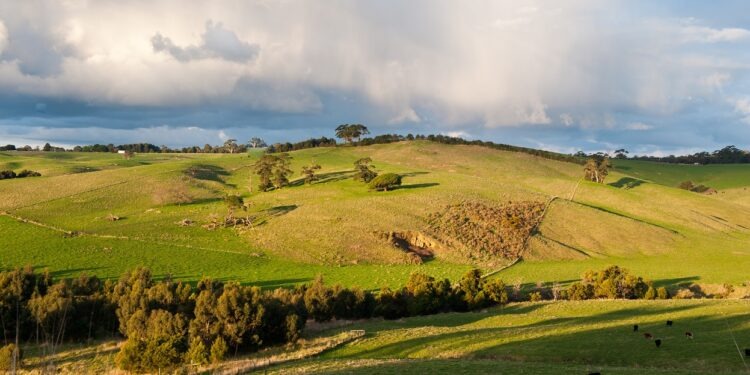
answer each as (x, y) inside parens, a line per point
(310, 143)
(167, 324)
(349, 132)
(8, 174)
(273, 171)
(597, 168)
(363, 170)
(385, 182)
(726, 155)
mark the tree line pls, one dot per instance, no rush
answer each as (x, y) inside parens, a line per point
(167, 323)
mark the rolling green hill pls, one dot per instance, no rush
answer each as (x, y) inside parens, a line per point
(334, 227)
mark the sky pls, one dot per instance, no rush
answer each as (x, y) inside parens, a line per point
(654, 77)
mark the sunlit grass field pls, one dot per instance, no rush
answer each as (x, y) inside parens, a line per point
(551, 338)
(330, 227)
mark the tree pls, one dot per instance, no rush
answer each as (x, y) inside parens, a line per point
(348, 132)
(282, 171)
(273, 171)
(621, 153)
(309, 172)
(256, 142)
(230, 145)
(385, 182)
(362, 170)
(597, 168)
(47, 147)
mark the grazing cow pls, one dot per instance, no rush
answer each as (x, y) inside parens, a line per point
(658, 342)
(747, 352)
(648, 336)
(669, 323)
(635, 327)
(689, 335)
(595, 373)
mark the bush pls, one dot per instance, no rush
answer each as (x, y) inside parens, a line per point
(197, 352)
(218, 350)
(385, 182)
(580, 292)
(7, 175)
(6, 357)
(662, 293)
(27, 173)
(650, 293)
(535, 297)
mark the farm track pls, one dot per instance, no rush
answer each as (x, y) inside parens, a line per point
(71, 233)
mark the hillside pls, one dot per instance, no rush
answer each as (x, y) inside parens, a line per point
(336, 226)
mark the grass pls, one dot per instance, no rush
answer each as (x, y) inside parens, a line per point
(331, 227)
(550, 338)
(717, 176)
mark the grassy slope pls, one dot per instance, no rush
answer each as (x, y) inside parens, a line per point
(551, 338)
(661, 232)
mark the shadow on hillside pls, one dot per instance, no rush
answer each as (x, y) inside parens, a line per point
(325, 178)
(572, 339)
(72, 272)
(627, 183)
(412, 174)
(416, 186)
(626, 216)
(83, 169)
(11, 165)
(208, 172)
(264, 216)
(281, 283)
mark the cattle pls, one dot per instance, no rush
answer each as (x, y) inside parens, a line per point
(595, 373)
(657, 342)
(747, 352)
(689, 335)
(648, 336)
(669, 323)
(635, 327)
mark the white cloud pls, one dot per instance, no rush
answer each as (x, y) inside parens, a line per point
(702, 34)
(638, 126)
(3, 37)
(499, 63)
(742, 106)
(407, 115)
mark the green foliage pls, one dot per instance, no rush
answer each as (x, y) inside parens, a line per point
(219, 350)
(319, 300)
(650, 293)
(273, 170)
(350, 131)
(197, 352)
(597, 168)
(7, 354)
(579, 291)
(662, 293)
(308, 172)
(385, 182)
(363, 170)
(535, 296)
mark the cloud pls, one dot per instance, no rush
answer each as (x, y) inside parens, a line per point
(703, 34)
(407, 115)
(638, 126)
(216, 42)
(3, 37)
(742, 106)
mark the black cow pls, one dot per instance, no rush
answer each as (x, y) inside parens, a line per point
(648, 336)
(747, 352)
(669, 323)
(689, 335)
(658, 343)
(635, 327)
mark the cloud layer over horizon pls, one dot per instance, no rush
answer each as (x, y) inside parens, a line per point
(591, 75)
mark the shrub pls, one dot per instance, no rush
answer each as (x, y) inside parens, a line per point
(6, 357)
(363, 172)
(650, 293)
(218, 350)
(535, 297)
(496, 292)
(580, 292)
(385, 182)
(27, 173)
(662, 293)
(197, 352)
(7, 175)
